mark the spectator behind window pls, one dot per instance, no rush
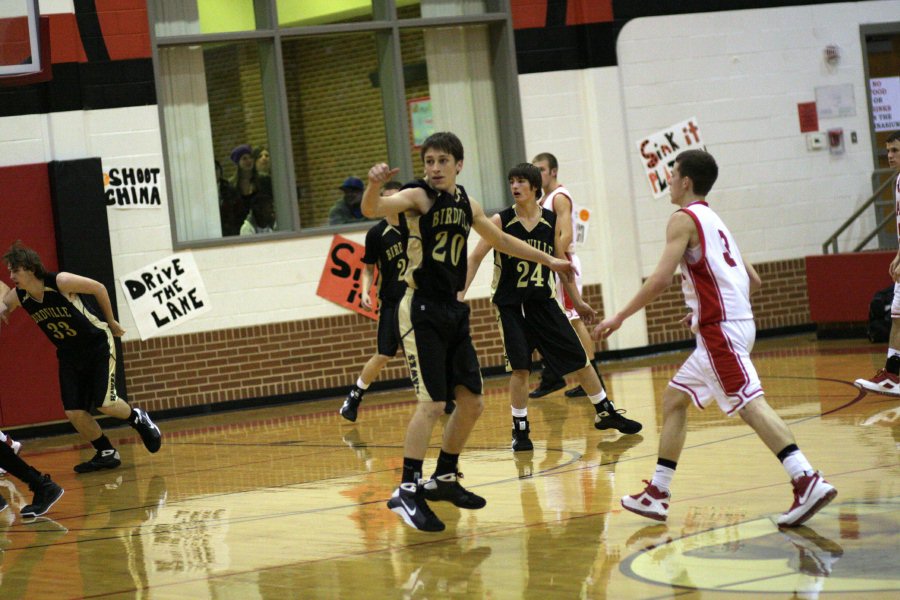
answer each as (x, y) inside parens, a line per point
(231, 206)
(347, 208)
(261, 218)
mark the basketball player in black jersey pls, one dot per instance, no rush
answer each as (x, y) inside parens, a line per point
(84, 347)
(527, 311)
(434, 325)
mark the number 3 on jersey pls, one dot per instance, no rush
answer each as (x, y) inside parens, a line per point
(727, 253)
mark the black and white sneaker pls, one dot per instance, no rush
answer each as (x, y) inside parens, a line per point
(610, 417)
(46, 493)
(150, 433)
(103, 459)
(409, 502)
(447, 487)
(351, 404)
(520, 440)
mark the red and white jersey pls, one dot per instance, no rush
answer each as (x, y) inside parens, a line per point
(713, 277)
(897, 204)
(547, 202)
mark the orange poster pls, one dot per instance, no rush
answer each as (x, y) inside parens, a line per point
(341, 280)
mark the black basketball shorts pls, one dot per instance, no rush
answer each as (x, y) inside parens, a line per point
(542, 325)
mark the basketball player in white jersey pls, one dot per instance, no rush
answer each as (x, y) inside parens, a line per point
(559, 199)
(887, 380)
(717, 284)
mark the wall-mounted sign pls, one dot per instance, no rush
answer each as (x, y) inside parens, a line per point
(165, 294)
(835, 101)
(133, 186)
(341, 280)
(884, 93)
(421, 122)
(658, 152)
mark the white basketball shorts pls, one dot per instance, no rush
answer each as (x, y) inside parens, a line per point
(720, 368)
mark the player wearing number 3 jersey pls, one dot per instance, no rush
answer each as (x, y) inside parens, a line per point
(717, 284)
(434, 325)
(76, 315)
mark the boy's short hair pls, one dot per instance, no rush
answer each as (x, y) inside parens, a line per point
(552, 163)
(20, 256)
(528, 172)
(444, 141)
(701, 167)
(893, 137)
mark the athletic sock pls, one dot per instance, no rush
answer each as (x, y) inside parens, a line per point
(519, 413)
(412, 470)
(794, 462)
(361, 384)
(102, 443)
(662, 477)
(447, 463)
(598, 401)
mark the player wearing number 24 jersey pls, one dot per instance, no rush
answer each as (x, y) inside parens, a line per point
(717, 284)
(434, 325)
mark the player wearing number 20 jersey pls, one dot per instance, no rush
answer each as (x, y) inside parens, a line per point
(434, 325)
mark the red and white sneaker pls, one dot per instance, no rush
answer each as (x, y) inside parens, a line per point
(882, 383)
(16, 446)
(652, 503)
(811, 494)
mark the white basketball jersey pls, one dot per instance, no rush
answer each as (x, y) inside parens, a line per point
(547, 202)
(713, 277)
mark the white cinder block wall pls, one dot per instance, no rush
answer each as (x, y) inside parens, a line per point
(740, 73)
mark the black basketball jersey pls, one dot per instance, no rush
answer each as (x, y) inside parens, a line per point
(437, 243)
(386, 247)
(72, 326)
(516, 279)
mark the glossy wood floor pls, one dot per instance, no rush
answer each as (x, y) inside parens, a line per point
(289, 502)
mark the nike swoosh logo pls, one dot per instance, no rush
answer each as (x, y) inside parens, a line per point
(808, 491)
(411, 511)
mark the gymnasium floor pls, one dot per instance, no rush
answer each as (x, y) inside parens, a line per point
(289, 502)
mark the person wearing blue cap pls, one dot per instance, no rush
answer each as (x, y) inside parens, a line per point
(347, 208)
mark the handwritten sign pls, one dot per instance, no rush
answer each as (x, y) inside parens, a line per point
(658, 152)
(341, 280)
(165, 294)
(885, 96)
(131, 186)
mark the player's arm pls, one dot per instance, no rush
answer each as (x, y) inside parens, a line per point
(563, 206)
(755, 280)
(894, 268)
(513, 246)
(678, 236)
(69, 283)
(375, 205)
(367, 276)
(583, 309)
(9, 301)
(476, 256)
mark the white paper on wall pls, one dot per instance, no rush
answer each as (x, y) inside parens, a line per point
(165, 294)
(885, 96)
(659, 150)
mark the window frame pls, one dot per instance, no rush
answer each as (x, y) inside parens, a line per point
(386, 26)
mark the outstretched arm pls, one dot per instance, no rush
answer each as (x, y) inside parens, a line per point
(678, 236)
(69, 283)
(508, 244)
